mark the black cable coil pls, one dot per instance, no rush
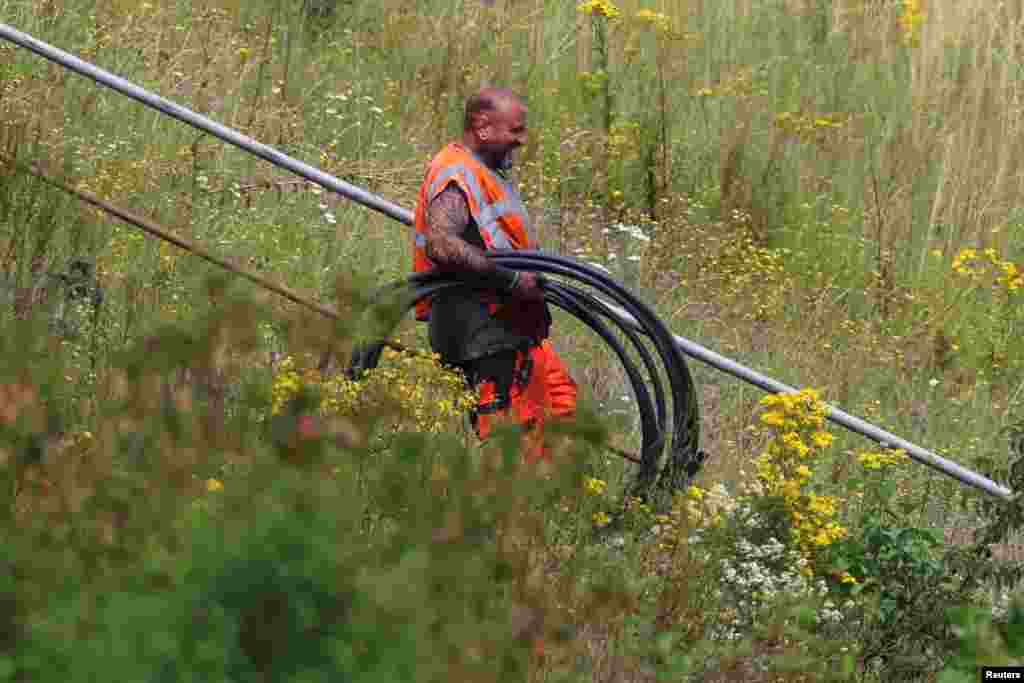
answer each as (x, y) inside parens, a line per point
(656, 471)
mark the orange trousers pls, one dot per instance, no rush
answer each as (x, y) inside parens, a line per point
(549, 391)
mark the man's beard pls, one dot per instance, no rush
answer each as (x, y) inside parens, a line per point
(505, 163)
(496, 159)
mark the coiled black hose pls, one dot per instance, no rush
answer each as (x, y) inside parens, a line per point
(657, 471)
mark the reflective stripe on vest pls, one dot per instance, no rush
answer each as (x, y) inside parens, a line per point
(488, 214)
(493, 201)
(452, 171)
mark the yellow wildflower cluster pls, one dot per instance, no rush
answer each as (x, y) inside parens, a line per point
(751, 275)
(876, 460)
(288, 381)
(594, 487)
(694, 509)
(656, 19)
(430, 397)
(910, 21)
(599, 8)
(784, 469)
(808, 127)
(969, 263)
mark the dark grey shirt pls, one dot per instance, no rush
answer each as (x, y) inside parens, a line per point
(462, 328)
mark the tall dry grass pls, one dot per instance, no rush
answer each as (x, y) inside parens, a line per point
(795, 165)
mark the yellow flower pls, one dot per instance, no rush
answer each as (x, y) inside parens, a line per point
(601, 519)
(965, 262)
(821, 439)
(848, 578)
(792, 441)
(876, 460)
(808, 395)
(910, 21)
(657, 19)
(213, 485)
(600, 8)
(822, 505)
(695, 492)
(594, 487)
(774, 418)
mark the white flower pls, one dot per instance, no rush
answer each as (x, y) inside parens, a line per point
(329, 217)
(933, 382)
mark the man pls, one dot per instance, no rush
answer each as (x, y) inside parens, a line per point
(497, 335)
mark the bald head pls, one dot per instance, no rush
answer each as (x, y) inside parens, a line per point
(495, 126)
(489, 101)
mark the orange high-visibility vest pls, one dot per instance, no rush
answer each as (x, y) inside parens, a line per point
(494, 204)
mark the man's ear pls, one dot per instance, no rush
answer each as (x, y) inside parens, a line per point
(483, 126)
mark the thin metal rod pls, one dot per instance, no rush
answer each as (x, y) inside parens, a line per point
(168, 236)
(372, 201)
(203, 123)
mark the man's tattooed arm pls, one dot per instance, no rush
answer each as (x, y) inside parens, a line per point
(447, 220)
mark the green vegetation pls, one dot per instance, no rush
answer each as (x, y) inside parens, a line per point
(828, 191)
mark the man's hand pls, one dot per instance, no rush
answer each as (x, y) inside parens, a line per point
(528, 289)
(527, 313)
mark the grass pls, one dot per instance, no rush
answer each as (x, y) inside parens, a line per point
(806, 172)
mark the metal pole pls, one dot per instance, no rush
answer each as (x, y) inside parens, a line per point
(160, 232)
(372, 201)
(203, 123)
(855, 424)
